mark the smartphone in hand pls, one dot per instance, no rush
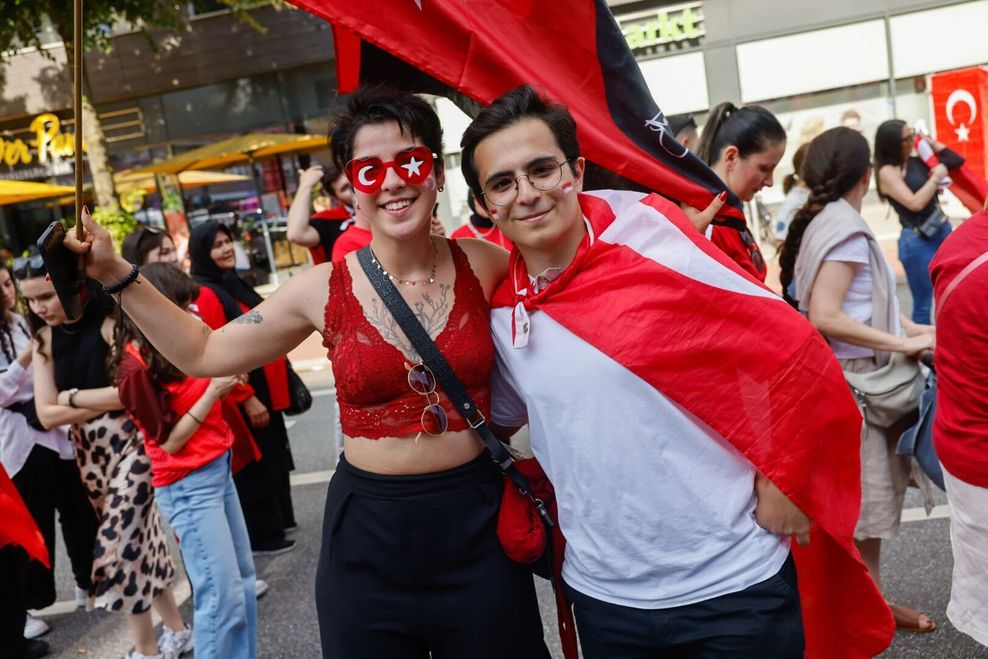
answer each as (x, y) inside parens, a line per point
(65, 270)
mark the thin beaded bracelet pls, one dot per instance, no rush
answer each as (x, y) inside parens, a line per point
(127, 281)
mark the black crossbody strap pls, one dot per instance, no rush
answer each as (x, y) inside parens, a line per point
(455, 391)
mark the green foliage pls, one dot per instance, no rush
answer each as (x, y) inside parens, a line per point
(21, 20)
(119, 223)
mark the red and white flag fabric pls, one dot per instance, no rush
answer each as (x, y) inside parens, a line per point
(17, 527)
(742, 361)
(477, 51)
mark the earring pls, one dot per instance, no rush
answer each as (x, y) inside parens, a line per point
(440, 188)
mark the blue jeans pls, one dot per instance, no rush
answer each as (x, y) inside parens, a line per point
(916, 252)
(204, 510)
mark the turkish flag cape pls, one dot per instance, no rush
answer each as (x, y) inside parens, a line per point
(742, 361)
(17, 527)
(575, 51)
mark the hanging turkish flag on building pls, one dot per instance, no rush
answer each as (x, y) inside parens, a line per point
(475, 51)
(960, 109)
(17, 527)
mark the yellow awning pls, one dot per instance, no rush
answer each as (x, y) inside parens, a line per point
(190, 179)
(237, 151)
(15, 192)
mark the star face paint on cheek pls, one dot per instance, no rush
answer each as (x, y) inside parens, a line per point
(495, 215)
(429, 183)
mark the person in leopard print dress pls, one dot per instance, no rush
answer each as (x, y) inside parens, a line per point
(132, 564)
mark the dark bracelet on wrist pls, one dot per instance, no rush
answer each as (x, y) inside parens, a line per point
(127, 281)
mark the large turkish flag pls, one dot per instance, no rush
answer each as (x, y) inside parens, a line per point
(960, 107)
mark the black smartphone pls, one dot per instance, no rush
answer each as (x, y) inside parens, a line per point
(65, 270)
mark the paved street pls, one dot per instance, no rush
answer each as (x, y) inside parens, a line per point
(916, 569)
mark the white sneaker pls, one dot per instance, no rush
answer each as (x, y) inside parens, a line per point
(260, 587)
(134, 654)
(35, 627)
(174, 644)
(81, 597)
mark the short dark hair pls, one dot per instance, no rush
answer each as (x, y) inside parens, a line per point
(888, 149)
(378, 104)
(522, 102)
(140, 242)
(751, 129)
(329, 176)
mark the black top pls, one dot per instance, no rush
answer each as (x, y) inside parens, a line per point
(917, 174)
(79, 350)
(330, 225)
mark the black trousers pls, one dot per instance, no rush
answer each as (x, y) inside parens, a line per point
(13, 610)
(49, 484)
(411, 565)
(762, 621)
(264, 488)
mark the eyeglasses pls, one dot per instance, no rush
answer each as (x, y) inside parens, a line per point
(909, 137)
(422, 381)
(753, 251)
(413, 166)
(543, 175)
(26, 267)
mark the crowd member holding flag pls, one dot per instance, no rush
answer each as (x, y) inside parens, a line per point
(690, 421)
(846, 287)
(410, 563)
(320, 231)
(742, 146)
(911, 186)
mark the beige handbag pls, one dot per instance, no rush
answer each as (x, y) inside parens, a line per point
(890, 392)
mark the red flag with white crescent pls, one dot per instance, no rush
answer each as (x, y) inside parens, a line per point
(17, 527)
(476, 51)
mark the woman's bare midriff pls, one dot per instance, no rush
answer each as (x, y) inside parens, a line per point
(403, 455)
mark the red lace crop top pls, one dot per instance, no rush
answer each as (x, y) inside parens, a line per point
(372, 375)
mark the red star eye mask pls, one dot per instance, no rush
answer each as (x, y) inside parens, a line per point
(367, 174)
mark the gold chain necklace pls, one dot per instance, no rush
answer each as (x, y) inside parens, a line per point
(409, 282)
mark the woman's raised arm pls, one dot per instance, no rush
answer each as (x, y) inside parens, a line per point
(265, 333)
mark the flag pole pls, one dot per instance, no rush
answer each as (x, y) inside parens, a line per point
(77, 110)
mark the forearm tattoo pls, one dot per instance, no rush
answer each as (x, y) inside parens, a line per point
(249, 318)
(432, 312)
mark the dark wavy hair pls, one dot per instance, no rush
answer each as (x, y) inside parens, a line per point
(378, 104)
(141, 242)
(835, 162)
(751, 129)
(177, 287)
(6, 336)
(888, 149)
(523, 102)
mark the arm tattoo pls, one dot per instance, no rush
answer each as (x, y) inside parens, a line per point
(249, 318)
(433, 313)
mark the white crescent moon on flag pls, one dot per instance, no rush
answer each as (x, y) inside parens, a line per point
(961, 96)
(360, 175)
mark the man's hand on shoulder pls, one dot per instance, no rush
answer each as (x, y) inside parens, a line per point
(775, 513)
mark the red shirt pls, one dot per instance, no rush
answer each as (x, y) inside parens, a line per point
(491, 235)
(352, 239)
(960, 426)
(210, 310)
(210, 441)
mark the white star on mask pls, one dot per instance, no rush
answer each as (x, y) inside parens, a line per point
(412, 166)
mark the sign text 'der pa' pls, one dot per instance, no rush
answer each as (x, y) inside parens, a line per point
(47, 144)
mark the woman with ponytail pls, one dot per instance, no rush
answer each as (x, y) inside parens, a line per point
(846, 287)
(796, 195)
(743, 146)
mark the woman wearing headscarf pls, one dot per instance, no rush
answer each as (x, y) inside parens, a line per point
(263, 486)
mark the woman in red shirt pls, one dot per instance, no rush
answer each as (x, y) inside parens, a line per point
(189, 442)
(264, 487)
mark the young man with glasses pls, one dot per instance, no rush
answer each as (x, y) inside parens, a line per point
(671, 400)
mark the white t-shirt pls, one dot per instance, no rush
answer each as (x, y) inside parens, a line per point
(857, 302)
(656, 507)
(795, 200)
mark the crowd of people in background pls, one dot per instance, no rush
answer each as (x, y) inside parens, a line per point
(169, 395)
